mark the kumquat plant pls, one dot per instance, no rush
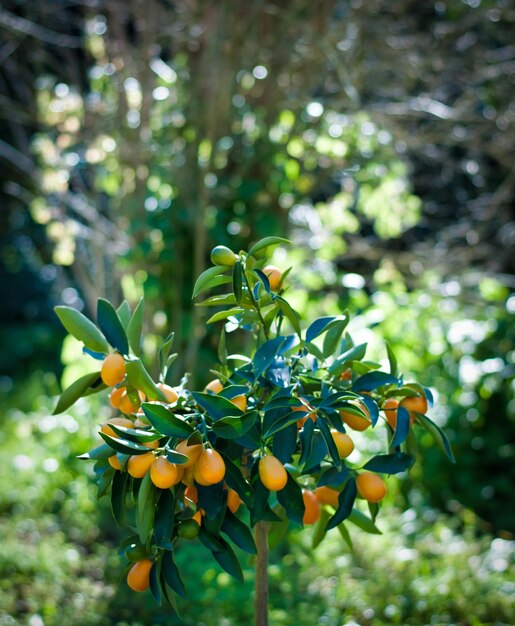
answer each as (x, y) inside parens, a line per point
(265, 443)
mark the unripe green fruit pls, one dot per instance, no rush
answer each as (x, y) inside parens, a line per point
(136, 552)
(189, 529)
(222, 255)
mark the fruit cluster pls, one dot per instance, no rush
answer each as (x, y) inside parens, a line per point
(269, 439)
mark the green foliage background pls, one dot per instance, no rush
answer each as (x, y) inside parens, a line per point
(398, 205)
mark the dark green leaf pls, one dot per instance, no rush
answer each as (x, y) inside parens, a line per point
(290, 497)
(176, 457)
(392, 360)
(334, 477)
(237, 280)
(228, 560)
(284, 443)
(101, 452)
(164, 519)
(172, 575)
(322, 324)
(221, 300)
(289, 313)
(234, 427)
(135, 327)
(235, 480)
(125, 446)
(222, 315)
(124, 313)
(356, 353)
(373, 380)
(238, 532)
(438, 435)
(320, 528)
(111, 325)
(118, 489)
(82, 329)
(264, 243)
(211, 499)
(140, 379)
(266, 353)
(216, 406)
(331, 446)
(345, 503)
(155, 586)
(134, 434)
(390, 463)
(165, 422)
(146, 510)
(332, 337)
(402, 427)
(76, 390)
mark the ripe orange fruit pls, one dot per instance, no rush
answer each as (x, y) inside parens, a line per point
(312, 507)
(198, 517)
(215, 386)
(139, 464)
(117, 421)
(417, 404)
(343, 442)
(127, 406)
(357, 422)
(165, 474)
(115, 396)
(113, 370)
(272, 473)
(114, 462)
(210, 468)
(192, 452)
(169, 392)
(326, 495)
(274, 276)
(240, 402)
(138, 577)
(188, 478)
(346, 375)
(233, 500)
(371, 486)
(191, 493)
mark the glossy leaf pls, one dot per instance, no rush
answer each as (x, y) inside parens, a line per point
(323, 324)
(119, 486)
(238, 533)
(228, 560)
(392, 360)
(101, 452)
(75, 391)
(234, 427)
(356, 353)
(147, 496)
(165, 422)
(362, 521)
(290, 497)
(82, 329)
(216, 406)
(390, 463)
(125, 446)
(266, 353)
(172, 575)
(135, 328)
(140, 379)
(373, 380)
(111, 325)
(289, 313)
(235, 480)
(124, 313)
(208, 279)
(402, 427)
(135, 434)
(438, 435)
(237, 280)
(264, 243)
(222, 315)
(345, 503)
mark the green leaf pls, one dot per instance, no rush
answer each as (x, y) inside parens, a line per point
(331, 446)
(82, 329)
(146, 510)
(165, 422)
(76, 390)
(172, 575)
(392, 360)
(124, 313)
(100, 452)
(219, 300)
(264, 243)
(402, 427)
(234, 427)
(228, 560)
(222, 315)
(362, 521)
(290, 497)
(289, 313)
(292, 417)
(342, 529)
(332, 337)
(438, 435)
(140, 379)
(237, 281)
(118, 489)
(320, 528)
(135, 327)
(176, 457)
(323, 324)
(389, 463)
(345, 503)
(134, 434)
(235, 480)
(238, 533)
(266, 353)
(111, 325)
(356, 353)
(125, 446)
(155, 586)
(164, 518)
(217, 407)
(208, 279)
(373, 380)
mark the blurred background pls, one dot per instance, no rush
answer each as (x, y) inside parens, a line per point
(378, 136)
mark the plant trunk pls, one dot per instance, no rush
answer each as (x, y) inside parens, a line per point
(261, 575)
